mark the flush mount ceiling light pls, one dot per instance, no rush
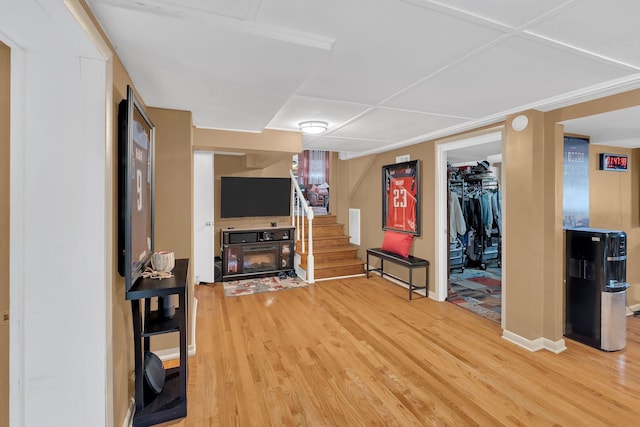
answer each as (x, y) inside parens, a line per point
(313, 127)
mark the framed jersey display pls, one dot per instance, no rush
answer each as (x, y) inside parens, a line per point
(135, 188)
(401, 197)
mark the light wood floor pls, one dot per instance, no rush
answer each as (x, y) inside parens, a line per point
(356, 352)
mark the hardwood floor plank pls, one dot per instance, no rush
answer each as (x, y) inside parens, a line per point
(355, 352)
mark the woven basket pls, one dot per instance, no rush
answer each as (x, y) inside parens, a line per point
(163, 261)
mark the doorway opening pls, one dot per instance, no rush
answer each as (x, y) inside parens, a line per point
(471, 274)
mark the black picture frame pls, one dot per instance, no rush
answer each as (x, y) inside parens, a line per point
(401, 197)
(136, 152)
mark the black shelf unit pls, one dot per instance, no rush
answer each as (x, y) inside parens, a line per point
(171, 402)
(258, 252)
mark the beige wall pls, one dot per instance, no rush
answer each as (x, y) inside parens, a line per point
(173, 193)
(524, 189)
(121, 322)
(5, 79)
(628, 221)
(611, 206)
(359, 186)
(173, 213)
(533, 167)
(268, 140)
(268, 154)
(122, 329)
(278, 166)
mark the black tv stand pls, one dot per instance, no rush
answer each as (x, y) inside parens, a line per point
(171, 402)
(257, 252)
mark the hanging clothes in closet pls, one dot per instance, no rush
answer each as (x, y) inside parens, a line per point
(457, 223)
(478, 194)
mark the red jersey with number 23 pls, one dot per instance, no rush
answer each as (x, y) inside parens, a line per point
(401, 197)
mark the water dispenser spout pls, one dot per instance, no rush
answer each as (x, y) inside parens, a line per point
(615, 286)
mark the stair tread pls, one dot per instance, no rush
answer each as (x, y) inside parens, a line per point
(321, 217)
(336, 236)
(338, 263)
(324, 224)
(319, 238)
(330, 250)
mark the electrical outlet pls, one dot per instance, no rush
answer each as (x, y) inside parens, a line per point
(4, 319)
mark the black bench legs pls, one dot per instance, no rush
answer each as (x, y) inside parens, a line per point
(410, 262)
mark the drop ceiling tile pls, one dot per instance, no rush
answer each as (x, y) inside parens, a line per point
(389, 125)
(378, 52)
(329, 143)
(507, 12)
(511, 74)
(609, 28)
(230, 8)
(301, 108)
(237, 9)
(180, 63)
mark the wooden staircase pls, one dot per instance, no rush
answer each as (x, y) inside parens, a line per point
(333, 255)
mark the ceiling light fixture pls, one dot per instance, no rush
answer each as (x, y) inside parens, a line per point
(313, 127)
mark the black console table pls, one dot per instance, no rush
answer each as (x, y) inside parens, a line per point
(171, 402)
(259, 252)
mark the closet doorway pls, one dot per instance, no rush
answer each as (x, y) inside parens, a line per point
(471, 250)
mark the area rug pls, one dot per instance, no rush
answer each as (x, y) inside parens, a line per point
(265, 284)
(478, 291)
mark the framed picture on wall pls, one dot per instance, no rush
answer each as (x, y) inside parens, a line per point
(401, 197)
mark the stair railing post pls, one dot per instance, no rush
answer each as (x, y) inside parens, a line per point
(310, 258)
(299, 221)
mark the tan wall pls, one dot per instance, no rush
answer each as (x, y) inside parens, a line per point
(268, 140)
(611, 202)
(359, 186)
(533, 166)
(5, 108)
(633, 294)
(361, 189)
(278, 166)
(630, 226)
(173, 194)
(122, 329)
(523, 190)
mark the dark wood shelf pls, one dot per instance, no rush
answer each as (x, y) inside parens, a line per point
(171, 402)
(147, 288)
(156, 323)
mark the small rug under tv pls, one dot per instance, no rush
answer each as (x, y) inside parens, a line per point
(264, 284)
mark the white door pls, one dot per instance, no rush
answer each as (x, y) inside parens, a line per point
(203, 263)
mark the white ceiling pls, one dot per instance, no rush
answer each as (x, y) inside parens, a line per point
(383, 73)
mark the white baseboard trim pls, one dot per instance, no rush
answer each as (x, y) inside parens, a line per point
(340, 277)
(535, 345)
(128, 418)
(432, 295)
(632, 308)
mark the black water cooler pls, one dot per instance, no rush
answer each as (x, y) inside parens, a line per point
(596, 288)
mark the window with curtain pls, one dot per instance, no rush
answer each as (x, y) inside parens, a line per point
(317, 167)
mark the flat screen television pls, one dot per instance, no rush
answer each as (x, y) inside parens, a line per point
(135, 188)
(254, 196)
